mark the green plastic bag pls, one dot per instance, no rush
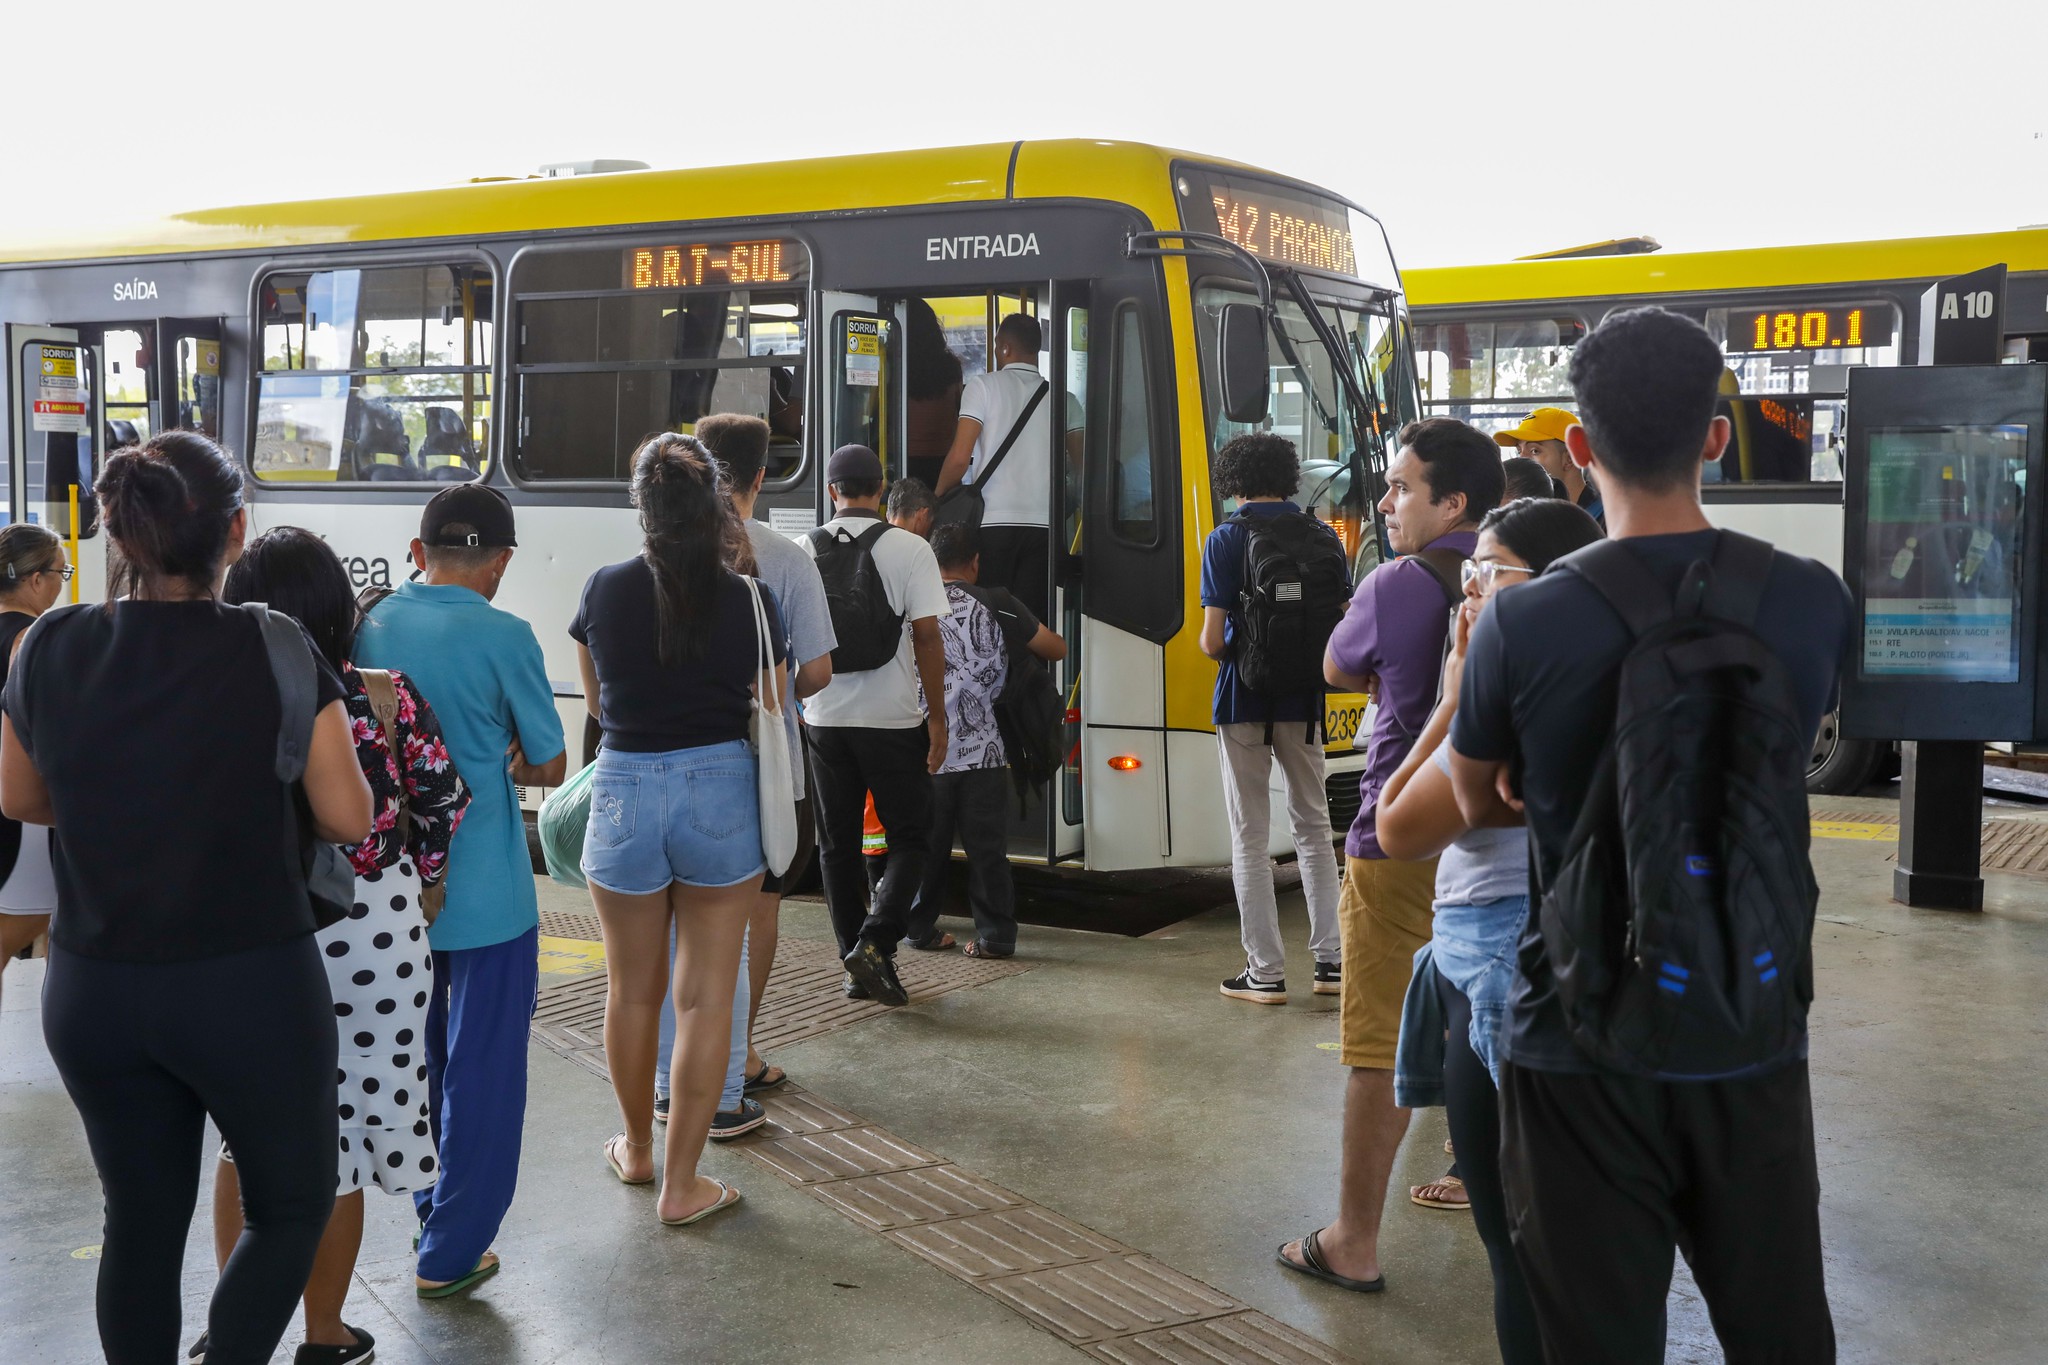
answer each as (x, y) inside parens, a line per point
(564, 821)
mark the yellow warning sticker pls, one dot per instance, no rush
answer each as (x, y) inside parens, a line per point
(570, 956)
(1855, 829)
(60, 362)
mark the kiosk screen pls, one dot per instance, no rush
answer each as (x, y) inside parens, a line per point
(1942, 566)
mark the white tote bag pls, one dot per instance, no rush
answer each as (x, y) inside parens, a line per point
(769, 735)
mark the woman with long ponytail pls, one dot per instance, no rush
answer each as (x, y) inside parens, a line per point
(183, 979)
(669, 656)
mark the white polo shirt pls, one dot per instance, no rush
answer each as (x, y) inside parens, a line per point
(1021, 492)
(885, 698)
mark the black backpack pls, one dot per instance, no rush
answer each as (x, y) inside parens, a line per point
(1030, 715)
(1679, 924)
(1296, 587)
(868, 629)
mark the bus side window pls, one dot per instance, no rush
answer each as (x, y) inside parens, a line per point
(1130, 439)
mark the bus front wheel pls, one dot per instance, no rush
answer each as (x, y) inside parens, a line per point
(1841, 766)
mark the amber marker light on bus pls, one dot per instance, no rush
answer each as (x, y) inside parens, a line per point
(1125, 763)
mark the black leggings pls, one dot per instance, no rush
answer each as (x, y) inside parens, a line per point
(148, 1051)
(1472, 1106)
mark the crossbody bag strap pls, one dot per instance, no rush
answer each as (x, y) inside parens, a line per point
(384, 701)
(764, 652)
(982, 476)
(291, 668)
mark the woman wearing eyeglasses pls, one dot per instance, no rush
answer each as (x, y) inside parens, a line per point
(32, 574)
(1482, 902)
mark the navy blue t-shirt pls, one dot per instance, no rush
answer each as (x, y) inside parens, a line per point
(1222, 581)
(647, 706)
(1541, 674)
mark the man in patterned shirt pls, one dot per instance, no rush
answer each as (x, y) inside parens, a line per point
(988, 633)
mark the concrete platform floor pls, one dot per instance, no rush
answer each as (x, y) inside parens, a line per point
(1112, 1085)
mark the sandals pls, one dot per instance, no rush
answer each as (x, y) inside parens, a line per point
(1311, 1263)
(936, 943)
(980, 949)
(754, 1084)
(486, 1266)
(727, 1197)
(611, 1159)
(1419, 1194)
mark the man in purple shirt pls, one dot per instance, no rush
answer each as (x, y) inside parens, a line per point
(1444, 478)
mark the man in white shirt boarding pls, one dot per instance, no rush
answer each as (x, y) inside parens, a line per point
(869, 731)
(1016, 539)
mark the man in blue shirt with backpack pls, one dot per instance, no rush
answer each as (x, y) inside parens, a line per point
(1650, 703)
(1275, 583)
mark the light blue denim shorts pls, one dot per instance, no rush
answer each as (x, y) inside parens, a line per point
(689, 815)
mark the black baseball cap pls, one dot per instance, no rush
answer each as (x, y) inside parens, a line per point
(486, 511)
(853, 464)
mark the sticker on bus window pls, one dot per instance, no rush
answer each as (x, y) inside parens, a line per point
(864, 352)
(59, 404)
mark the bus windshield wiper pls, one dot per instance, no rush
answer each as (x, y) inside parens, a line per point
(1369, 453)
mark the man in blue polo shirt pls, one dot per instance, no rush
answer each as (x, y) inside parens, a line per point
(1255, 731)
(481, 669)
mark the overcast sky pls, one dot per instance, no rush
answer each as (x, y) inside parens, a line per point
(1478, 131)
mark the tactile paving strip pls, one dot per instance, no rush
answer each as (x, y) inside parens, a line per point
(813, 1158)
(1006, 1242)
(1098, 1300)
(904, 1199)
(1239, 1337)
(2016, 846)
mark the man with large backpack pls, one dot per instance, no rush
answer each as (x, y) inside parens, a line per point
(1275, 582)
(869, 731)
(1650, 703)
(1443, 478)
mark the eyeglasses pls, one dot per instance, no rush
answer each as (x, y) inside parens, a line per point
(1485, 571)
(63, 573)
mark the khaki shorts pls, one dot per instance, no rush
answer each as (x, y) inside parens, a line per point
(1384, 915)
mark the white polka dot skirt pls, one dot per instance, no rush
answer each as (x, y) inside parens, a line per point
(381, 970)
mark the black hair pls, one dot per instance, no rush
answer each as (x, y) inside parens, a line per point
(738, 442)
(955, 545)
(690, 528)
(1541, 531)
(298, 573)
(1258, 464)
(1022, 331)
(858, 488)
(168, 505)
(931, 368)
(1526, 478)
(26, 550)
(908, 497)
(1647, 382)
(1457, 458)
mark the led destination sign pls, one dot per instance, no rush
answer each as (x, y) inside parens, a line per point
(1275, 224)
(693, 265)
(1809, 329)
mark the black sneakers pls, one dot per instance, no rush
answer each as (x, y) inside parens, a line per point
(661, 1109)
(1329, 978)
(363, 1350)
(1245, 986)
(729, 1124)
(852, 989)
(869, 968)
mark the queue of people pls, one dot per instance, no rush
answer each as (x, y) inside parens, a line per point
(373, 1031)
(1528, 662)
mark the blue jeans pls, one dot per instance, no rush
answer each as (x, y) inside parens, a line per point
(689, 815)
(736, 1059)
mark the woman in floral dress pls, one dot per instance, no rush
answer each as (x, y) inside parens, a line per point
(379, 966)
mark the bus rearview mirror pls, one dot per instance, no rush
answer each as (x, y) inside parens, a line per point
(1242, 348)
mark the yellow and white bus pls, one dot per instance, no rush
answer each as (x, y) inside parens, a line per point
(1493, 342)
(357, 353)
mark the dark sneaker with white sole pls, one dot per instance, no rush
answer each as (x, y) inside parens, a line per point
(661, 1109)
(728, 1124)
(867, 965)
(364, 1350)
(1329, 978)
(1245, 986)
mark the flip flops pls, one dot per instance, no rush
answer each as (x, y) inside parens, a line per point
(756, 1083)
(980, 949)
(727, 1197)
(1429, 1201)
(486, 1266)
(611, 1159)
(1311, 1263)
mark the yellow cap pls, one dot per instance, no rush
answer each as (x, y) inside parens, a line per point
(1544, 424)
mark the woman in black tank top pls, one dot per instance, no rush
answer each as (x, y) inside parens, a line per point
(32, 574)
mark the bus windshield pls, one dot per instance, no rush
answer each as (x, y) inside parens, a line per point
(1311, 406)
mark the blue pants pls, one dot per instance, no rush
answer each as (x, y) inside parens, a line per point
(736, 1059)
(478, 1020)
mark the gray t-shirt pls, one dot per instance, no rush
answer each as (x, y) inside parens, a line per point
(800, 595)
(1481, 865)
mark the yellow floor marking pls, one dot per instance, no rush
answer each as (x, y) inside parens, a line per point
(1854, 829)
(570, 956)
